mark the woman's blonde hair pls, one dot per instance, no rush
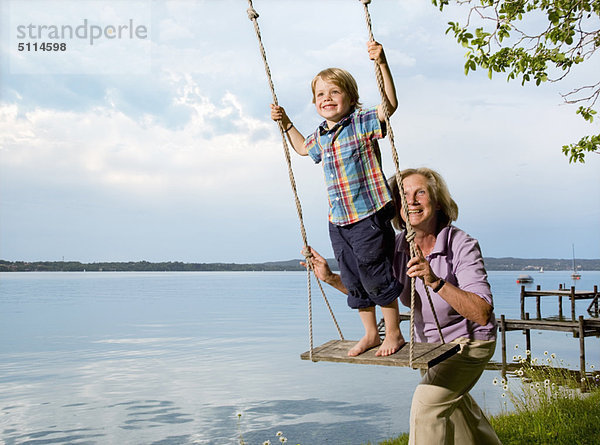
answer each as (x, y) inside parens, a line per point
(438, 192)
(342, 79)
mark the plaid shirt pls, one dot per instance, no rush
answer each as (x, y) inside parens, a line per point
(351, 159)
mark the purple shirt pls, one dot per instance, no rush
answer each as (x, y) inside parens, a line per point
(456, 258)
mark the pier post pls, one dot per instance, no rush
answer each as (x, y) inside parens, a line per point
(503, 337)
(522, 302)
(528, 340)
(560, 312)
(538, 310)
(593, 307)
(581, 353)
(572, 296)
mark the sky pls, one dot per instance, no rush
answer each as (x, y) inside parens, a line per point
(148, 135)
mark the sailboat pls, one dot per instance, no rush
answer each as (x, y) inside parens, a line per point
(575, 275)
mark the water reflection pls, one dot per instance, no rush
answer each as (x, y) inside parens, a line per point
(81, 436)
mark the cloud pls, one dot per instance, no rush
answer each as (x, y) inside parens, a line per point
(109, 148)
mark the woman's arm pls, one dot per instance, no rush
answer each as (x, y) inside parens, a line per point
(324, 273)
(468, 304)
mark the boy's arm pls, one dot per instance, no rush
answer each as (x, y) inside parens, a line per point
(376, 53)
(294, 136)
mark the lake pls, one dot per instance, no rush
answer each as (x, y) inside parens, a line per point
(175, 358)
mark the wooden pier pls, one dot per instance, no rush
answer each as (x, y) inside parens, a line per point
(580, 329)
(579, 326)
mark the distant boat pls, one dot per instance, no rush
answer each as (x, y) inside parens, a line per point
(524, 279)
(575, 275)
(541, 270)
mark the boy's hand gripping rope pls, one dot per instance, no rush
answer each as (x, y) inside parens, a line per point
(253, 16)
(410, 233)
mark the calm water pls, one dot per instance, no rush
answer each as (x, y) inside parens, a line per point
(173, 358)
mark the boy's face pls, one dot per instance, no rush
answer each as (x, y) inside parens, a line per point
(332, 103)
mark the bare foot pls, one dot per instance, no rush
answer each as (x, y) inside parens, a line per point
(390, 345)
(363, 345)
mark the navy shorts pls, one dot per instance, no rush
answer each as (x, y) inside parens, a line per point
(365, 252)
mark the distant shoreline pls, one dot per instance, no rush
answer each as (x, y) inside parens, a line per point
(491, 264)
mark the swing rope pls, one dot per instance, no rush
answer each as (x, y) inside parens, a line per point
(410, 233)
(253, 16)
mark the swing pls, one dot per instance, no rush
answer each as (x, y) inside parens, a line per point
(413, 354)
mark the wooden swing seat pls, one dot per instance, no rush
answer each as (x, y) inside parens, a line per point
(426, 355)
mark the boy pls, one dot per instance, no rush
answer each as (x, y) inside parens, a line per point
(360, 206)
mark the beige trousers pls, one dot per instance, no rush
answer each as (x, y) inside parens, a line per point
(442, 410)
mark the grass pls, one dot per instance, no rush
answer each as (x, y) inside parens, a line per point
(568, 421)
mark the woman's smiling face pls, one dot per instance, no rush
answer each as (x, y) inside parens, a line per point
(422, 209)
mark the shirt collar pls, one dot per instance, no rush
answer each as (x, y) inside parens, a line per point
(343, 122)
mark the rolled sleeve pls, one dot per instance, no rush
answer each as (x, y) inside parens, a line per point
(470, 271)
(313, 149)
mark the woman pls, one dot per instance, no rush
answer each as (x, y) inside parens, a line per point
(450, 264)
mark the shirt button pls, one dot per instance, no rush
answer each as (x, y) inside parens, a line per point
(337, 199)
(332, 175)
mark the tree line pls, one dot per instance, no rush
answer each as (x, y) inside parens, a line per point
(496, 264)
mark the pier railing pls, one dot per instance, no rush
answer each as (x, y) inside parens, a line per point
(572, 294)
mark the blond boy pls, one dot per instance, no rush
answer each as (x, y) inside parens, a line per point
(360, 202)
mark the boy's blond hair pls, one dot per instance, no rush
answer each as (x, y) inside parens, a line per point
(341, 78)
